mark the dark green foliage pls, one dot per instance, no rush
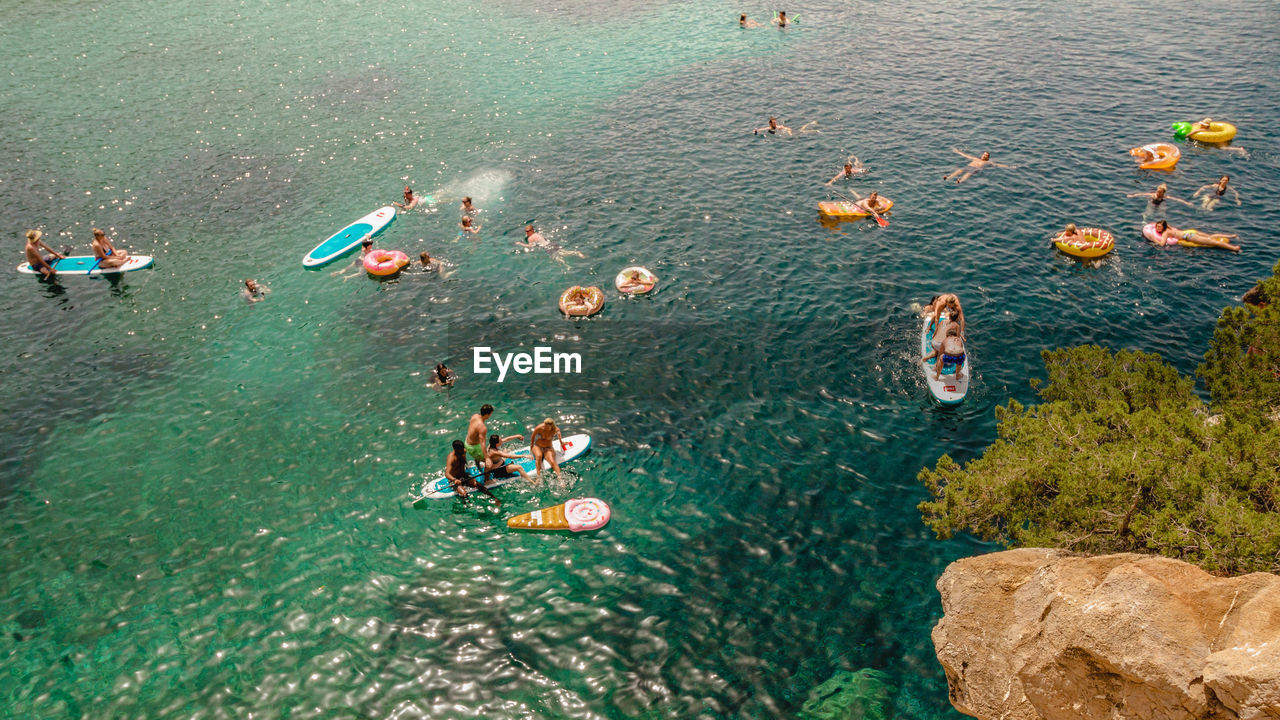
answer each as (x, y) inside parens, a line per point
(1121, 456)
(1242, 367)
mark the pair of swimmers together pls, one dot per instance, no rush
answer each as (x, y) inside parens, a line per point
(492, 461)
(780, 20)
(947, 343)
(42, 258)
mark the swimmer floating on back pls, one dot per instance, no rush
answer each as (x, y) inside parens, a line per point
(773, 128)
(1171, 235)
(743, 22)
(1219, 189)
(975, 164)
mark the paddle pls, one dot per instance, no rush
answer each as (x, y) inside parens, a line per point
(881, 221)
(95, 266)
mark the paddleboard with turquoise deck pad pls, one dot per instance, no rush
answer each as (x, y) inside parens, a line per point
(346, 239)
(88, 264)
(573, 447)
(949, 389)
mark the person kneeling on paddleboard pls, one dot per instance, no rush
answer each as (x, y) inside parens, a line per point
(455, 469)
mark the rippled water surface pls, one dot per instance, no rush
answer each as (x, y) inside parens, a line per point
(205, 504)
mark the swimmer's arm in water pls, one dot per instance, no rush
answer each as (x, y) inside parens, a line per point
(809, 127)
(1202, 189)
(1236, 194)
(1141, 195)
(1001, 165)
(963, 154)
(839, 176)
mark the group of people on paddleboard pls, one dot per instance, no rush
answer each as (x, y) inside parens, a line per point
(491, 461)
(44, 259)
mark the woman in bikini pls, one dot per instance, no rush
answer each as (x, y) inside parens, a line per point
(1213, 192)
(1171, 235)
(540, 445)
(498, 463)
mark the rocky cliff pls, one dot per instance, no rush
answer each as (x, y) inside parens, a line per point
(1034, 633)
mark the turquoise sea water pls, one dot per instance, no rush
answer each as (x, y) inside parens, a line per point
(205, 503)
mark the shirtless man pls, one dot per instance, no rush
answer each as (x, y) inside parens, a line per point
(540, 445)
(534, 239)
(477, 431)
(467, 207)
(108, 255)
(975, 164)
(852, 166)
(410, 200)
(254, 291)
(42, 264)
(455, 470)
(1213, 192)
(772, 128)
(497, 461)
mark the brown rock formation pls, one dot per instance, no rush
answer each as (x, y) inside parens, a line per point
(1043, 634)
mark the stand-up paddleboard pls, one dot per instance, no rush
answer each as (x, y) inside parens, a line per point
(88, 264)
(577, 515)
(574, 447)
(346, 239)
(949, 390)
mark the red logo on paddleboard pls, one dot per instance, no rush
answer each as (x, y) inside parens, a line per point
(949, 388)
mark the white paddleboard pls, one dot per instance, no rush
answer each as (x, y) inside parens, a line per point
(83, 264)
(346, 239)
(949, 390)
(574, 447)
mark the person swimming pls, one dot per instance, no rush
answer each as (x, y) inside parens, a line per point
(1213, 192)
(468, 226)
(975, 164)
(773, 128)
(444, 377)
(255, 291)
(410, 200)
(1159, 196)
(781, 19)
(744, 22)
(534, 239)
(852, 166)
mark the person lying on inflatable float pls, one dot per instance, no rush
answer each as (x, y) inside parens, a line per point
(579, 301)
(1170, 235)
(1087, 243)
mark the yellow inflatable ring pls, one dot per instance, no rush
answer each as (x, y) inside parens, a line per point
(1218, 132)
(845, 210)
(1095, 243)
(580, 301)
(1165, 156)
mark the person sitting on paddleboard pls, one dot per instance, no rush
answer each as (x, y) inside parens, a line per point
(497, 461)
(108, 255)
(1213, 192)
(42, 264)
(540, 439)
(949, 304)
(410, 200)
(455, 470)
(852, 166)
(948, 350)
(255, 292)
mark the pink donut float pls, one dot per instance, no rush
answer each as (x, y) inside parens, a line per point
(384, 262)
